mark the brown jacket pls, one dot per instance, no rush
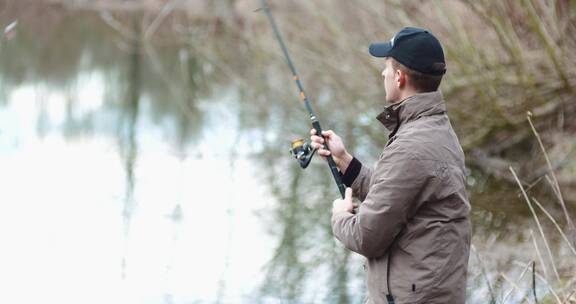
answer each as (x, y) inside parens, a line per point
(412, 225)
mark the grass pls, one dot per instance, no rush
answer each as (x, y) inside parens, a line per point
(553, 275)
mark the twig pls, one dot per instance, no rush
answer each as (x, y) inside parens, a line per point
(168, 7)
(116, 25)
(532, 185)
(534, 281)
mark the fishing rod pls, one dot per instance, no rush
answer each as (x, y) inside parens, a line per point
(302, 150)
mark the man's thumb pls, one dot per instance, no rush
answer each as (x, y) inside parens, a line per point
(348, 194)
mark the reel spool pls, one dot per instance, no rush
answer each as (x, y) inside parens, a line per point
(302, 151)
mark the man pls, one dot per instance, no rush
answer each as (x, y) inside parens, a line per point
(412, 225)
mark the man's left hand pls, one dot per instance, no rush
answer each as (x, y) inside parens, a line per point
(345, 204)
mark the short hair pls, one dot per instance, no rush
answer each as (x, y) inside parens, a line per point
(421, 82)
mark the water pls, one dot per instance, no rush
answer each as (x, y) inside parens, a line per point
(138, 171)
(64, 199)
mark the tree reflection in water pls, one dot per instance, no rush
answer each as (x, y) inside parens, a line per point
(161, 78)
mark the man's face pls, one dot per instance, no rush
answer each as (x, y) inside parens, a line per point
(390, 76)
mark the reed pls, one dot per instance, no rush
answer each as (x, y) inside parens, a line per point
(556, 287)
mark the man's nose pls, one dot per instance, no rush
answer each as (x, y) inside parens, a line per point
(383, 72)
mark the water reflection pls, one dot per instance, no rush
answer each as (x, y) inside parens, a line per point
(129, 136)
(193, 134)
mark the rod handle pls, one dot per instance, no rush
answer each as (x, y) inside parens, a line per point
(331, 162)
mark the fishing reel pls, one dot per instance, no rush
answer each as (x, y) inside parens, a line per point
(302, 151)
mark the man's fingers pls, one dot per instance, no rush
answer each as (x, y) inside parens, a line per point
(328, 133)
(323, 152)
(316, 145)
(320, 147)
(317, 139)
(348, 194)
(325, 133)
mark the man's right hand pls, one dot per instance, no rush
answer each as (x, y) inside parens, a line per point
(341, 157)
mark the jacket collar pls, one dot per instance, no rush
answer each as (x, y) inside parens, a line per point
(411, 108)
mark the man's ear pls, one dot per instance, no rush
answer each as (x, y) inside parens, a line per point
(400, 79)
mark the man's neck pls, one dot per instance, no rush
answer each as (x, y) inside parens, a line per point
(408, 92)
(404, 95)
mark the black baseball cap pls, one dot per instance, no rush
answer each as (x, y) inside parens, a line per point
(415, 48)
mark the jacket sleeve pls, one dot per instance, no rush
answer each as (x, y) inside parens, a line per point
(395, 195)
(357, 176)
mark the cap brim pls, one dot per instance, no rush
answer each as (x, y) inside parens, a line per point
(380, 49)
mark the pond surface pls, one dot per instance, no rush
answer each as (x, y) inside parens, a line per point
(140, 171)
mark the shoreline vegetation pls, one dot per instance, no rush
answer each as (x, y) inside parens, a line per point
(504, 58)
(549, 277)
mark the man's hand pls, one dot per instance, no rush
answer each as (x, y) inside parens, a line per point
(345, 204)
(341, 157)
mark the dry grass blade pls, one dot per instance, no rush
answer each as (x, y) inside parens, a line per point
(568, 300)
(484, 274)
(549, 163)
(537, 223)
(538, 253)
(543, 280)
(551, 47)
(514, 287)
(556, 225)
